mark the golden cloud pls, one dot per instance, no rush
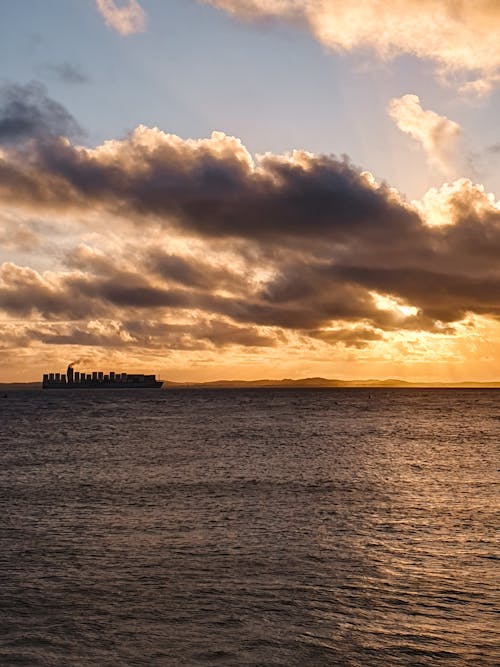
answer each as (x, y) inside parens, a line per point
(438, 135)
(126, 19)
(461, 37)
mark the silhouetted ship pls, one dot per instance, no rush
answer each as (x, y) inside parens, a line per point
(98, 380)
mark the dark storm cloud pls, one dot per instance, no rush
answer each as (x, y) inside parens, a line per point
(23, 292)
(181, 270)
(211, 191)
(203, 334)
(323, 233)
(27, 112)
(444, 297)
(76, 336)
(216, 332)
(209, 187)
(194, 273)
(344, 302)
(80, 296)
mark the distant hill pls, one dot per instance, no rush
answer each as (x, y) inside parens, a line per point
(319, 383)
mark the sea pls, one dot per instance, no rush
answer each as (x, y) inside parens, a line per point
(354, 527)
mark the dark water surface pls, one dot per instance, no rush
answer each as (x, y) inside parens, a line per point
(312, 527)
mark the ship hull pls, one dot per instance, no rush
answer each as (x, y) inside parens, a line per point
(82, 386)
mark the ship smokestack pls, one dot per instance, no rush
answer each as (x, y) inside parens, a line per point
(69, 370)
(69, 373)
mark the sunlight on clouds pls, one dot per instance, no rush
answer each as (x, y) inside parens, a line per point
(447, 204)
(109, 328)
(386, 302)
(145, 143)
(438, 135)
(461, 37)
(471, 343)
(125, 17)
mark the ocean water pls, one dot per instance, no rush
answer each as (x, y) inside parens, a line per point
(234, 528)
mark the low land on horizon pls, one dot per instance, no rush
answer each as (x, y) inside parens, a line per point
(301, 383)
(323, 383)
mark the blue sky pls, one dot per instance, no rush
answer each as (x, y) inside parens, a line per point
(195, 70)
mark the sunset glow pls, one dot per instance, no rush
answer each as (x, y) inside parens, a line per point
(167, 237)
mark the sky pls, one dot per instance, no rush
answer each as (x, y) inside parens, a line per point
(245, 189)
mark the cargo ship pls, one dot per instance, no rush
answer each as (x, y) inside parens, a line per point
(98, 380)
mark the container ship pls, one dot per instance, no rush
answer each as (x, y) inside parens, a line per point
(98, 380)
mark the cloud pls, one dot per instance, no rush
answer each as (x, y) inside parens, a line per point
(66, 72)
(126, 19)
(27, 112)
(211, 187)
(461, 37)
(196, 244)
(438, 135)
(17, 234)
(203, 334)
(194, 272)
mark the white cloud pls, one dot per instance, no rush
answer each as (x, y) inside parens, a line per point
(456, 201)
(125, 19)
(438, 135)
(461, 37)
